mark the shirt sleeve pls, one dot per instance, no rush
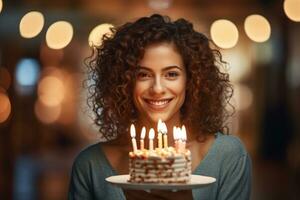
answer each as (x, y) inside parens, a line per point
(80, 181)
(236, 180)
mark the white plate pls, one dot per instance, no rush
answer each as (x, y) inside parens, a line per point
(197, 181)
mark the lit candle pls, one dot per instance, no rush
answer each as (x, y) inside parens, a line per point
(183, 137)
(151, 137)
(175, 136)
(159, 133)
(165, 131)
(133, 140)
(143, 134)
(179, 136)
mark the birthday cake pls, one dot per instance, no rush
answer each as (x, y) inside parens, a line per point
(160, 166)
(164, 164)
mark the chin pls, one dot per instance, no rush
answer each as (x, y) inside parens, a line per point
(154, 118)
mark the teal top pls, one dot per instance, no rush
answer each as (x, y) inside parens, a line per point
(227, 161)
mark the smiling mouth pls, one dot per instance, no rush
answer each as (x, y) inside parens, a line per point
(157, 104)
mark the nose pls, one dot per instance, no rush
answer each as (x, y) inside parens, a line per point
(157, 86)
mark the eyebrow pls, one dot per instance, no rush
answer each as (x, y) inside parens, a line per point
(164, 69)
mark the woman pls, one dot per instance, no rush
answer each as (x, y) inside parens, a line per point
(155, 68)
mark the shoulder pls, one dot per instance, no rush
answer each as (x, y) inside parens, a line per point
(230, 145)
(88, 154)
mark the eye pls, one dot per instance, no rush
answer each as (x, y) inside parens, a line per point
(172, 74)
(142, 75)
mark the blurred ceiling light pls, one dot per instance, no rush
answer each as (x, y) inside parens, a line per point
(243, 97)
(27, 72)
(159, 4)
(70, 102)
(51, 91)
(59, 35)
(1, 5)
(31, 24)
(53, 71)
(292, 9)
(95, 37)
(47, 114)
(238, 63)
(5, 78)
(5, 107)
(257, 28)
(224, 33)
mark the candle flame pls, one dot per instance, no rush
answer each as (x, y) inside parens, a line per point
(132, 131)
(175, 133)
(183, 135)
(164, 128)
(159, 125)
(143, 132)
(179, 133)
(151, 134)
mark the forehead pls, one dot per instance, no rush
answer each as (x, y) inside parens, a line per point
(161, 55)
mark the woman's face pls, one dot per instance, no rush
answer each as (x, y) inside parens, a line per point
(160, 84)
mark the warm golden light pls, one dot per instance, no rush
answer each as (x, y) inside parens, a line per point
(47, 114)
(31, 24)
(151, 134)
(133, 140)
(243, 96)
(151, 137)
(292, 9)
(59, 35)
(224, 33)
(53, 71)
(1, 5)
(5, 78)
(51, 91)
(5, 107)
(257, 28)
(132, 131)
(95, 37)
(184, 137)
(175, 133)
(239, 64)
(143, 132)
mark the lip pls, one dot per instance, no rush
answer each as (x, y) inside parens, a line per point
(157, 104)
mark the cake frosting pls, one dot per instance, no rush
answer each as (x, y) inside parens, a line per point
(164, 165)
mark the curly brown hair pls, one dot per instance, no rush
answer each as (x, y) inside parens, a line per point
(113, 67)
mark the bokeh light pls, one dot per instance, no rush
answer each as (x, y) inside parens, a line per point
(159, 4)
(72, 85)
(31, 24)
(51, 90)
(47, 114)
(1, 5)
(95, 37)
(224, 33)
(292, 9)
(238, 63)
(5, 107)
(27, 72)
(243, 96)
(5, 78)
(59, 35)
(257, 28)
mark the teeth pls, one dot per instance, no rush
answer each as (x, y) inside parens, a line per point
(158, 103)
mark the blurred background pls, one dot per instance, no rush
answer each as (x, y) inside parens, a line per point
(44, 119)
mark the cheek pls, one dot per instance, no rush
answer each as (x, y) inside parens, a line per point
(137, 93)
(181, 93)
